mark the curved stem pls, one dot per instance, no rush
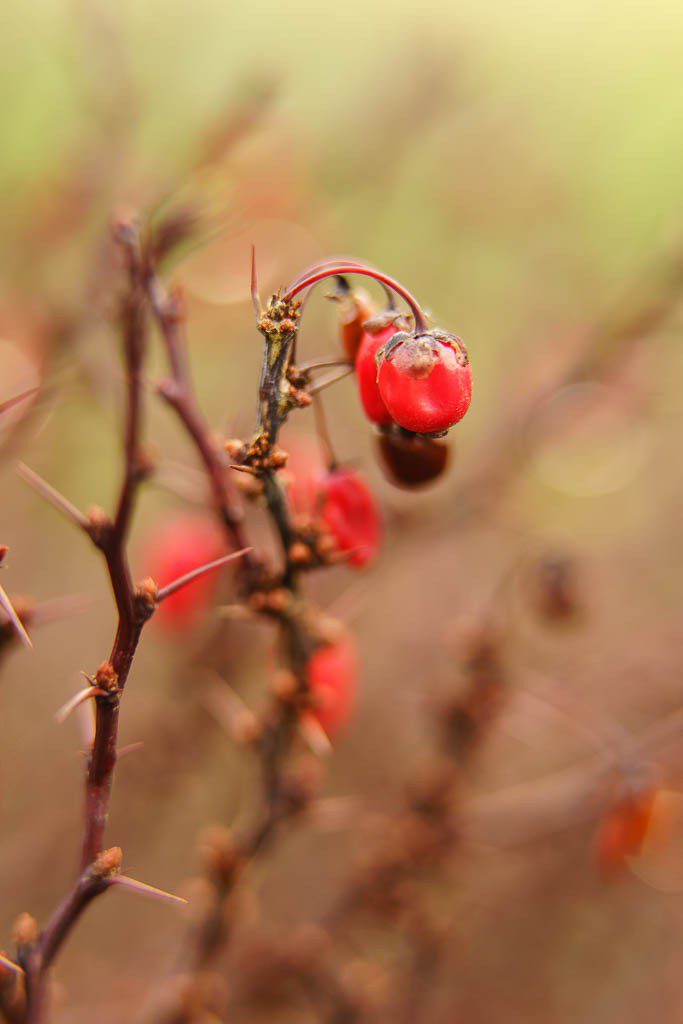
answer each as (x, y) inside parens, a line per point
(334, 269)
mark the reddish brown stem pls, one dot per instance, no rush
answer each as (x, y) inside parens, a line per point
(344, 267)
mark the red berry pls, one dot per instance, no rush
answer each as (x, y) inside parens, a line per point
(302, 474)
(349, 510)
(332, 673)
(179, 546)
(425, 381)
(366, 372)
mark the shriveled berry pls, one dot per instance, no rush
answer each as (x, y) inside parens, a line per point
(425, 380)
(350, 512)
(332, 674)
(366, 373)
(354, 308)
(411, 460)
(180, 545)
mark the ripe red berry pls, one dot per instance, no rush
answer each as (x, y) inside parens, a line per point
(180, 545)
(425, 380)
(410, 460)
(366, 373)
(349, 509)
(332, 673)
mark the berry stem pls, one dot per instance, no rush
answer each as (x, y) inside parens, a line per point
(349, 267)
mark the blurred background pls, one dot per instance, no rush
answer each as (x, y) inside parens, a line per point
(520, 169)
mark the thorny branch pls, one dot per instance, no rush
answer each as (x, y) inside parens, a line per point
(428, 824)
(135, 604)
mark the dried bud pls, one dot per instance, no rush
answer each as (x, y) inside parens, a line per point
(278, 458)
(99, 524)
(146, 595)
(236, 449)
(25, 930)
(106, 678)
(107, 863)
(299, 553)
(3, 552)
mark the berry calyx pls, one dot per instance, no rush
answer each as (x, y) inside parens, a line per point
(178, 547)
(349, 510)
(425, 380)
(411, 460)
(375, 337)
(332, 674)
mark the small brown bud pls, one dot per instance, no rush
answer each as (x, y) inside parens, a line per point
(146, 594)
(236, 448)
(299, 553)
(278, 458)
(107, 863)
(99, 524)
(3, 552)
(25, 931)
(106, 678)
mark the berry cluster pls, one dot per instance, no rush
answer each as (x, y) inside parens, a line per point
(414, 385)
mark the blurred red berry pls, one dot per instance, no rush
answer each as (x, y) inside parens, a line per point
(177, 547)
(332, 673)
(425, 381)
(303, 472)
(366, 372)
(350, 512)
(622, 831)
